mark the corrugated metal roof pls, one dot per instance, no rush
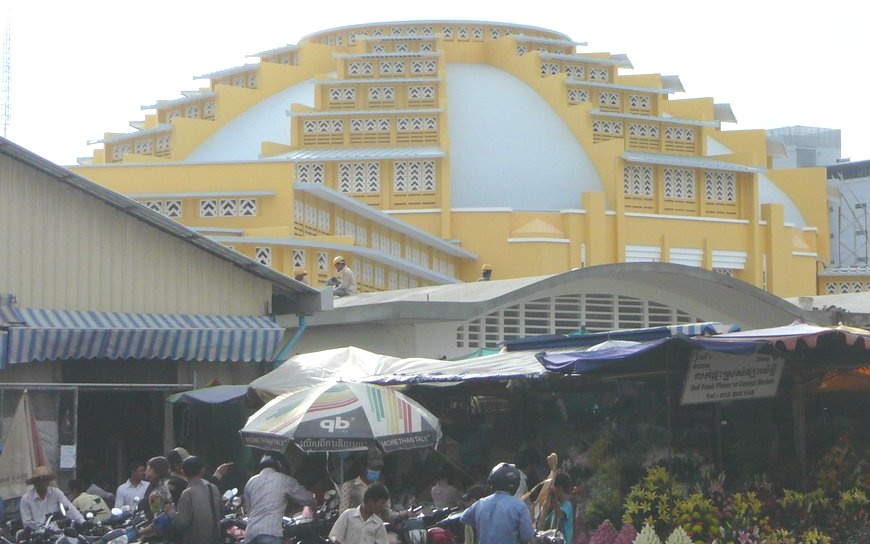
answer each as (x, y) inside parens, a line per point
(351, 113)
(132, 208)
(276, 51)
(381, 80)
(478, 291)
(414, 37)
(723, 113)
(350, 153)
(192, 97)
(163, 127)
(229, 71)
(615, 60)
(598, 84)
(689, 162)
(657, 118)
(381, 218)
(201, 194)
(551, 41)
(441, 22)
(368, 253)
(390, 54)
(674, 83)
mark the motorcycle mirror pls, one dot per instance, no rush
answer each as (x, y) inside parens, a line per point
(329, 494)
(237, 501)
(89, 516)
(230, 493)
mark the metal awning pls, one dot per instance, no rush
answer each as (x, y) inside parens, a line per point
(51, 335)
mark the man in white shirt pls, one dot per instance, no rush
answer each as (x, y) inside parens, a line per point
(134, 488)
(346, 280)
(363, 525)
(267, 495)
(44, 499)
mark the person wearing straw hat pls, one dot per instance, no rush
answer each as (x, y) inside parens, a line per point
(44, 499)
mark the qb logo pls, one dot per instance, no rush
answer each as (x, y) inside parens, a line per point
(337, 424)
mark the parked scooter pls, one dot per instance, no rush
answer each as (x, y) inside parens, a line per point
(313, 526)
(234, 520)
(422, 527)
(58, 530)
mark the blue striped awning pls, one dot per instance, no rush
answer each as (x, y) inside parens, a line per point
(51, 335)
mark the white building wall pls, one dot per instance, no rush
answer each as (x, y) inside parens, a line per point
(63, 249)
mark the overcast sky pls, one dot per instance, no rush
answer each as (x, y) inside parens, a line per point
(80, 69)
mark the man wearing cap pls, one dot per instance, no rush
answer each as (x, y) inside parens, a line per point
(267, 495)
(44, 499)
(345, 284)
(157, 494)
(352, 491)
(176, 482)
(300, 274)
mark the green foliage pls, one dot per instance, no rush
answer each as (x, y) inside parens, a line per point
(698, 517)
(836, 467)
(605, 485)
(815, 536)
(651, 500)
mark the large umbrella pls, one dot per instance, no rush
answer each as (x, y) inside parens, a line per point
(342, 416)
(22, 452)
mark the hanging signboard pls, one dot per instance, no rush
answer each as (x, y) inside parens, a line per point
(714, 376)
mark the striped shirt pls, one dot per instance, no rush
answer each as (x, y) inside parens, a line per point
(266, 496)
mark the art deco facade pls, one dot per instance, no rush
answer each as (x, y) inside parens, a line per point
(421, 150)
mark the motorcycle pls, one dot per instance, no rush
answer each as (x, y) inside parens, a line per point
(234, 521)
(423, 527)
(312, 526)
(58, 530)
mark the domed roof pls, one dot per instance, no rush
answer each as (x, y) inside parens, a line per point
(240, 139)
(508, 148)
(502, 135)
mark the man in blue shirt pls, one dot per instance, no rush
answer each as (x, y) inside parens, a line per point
(501, 518)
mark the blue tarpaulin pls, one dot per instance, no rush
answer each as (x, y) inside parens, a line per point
(624, 354)
(216, 394)
(558, 341)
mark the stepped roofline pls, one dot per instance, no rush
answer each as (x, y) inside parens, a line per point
(517, 27)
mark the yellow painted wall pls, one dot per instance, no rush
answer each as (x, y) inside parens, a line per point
(593, 231)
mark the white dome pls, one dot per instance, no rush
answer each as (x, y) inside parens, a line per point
(503, 135)
(240, 139)
(508, 148)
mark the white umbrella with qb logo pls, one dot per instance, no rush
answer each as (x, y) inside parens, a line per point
(342, 416)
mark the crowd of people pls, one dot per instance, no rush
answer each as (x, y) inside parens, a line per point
(182, 501)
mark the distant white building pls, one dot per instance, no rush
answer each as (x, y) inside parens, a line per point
(806, 146)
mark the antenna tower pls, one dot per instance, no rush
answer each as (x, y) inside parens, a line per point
(6, 77)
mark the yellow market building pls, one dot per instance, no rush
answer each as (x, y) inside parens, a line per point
(422, 150)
